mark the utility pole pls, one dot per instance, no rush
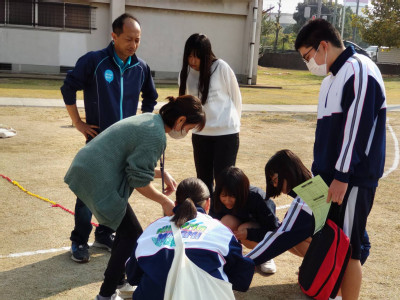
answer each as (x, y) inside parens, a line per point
(355, 28)
(334, 14)
(343, 19)
(319, 9)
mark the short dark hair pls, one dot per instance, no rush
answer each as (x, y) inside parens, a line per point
(234, 182)
(191, 192)
(288, 166)
(316, 31)
(186, 105)
(118, 24)
(200, 46)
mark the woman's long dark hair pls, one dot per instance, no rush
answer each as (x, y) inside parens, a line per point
(191, 192)
(187, 106)
(200, 46)
(233, 182)
(288, 166)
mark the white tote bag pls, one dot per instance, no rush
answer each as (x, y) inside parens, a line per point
(188, 281)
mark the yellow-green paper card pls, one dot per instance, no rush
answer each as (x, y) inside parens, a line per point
(314, 192)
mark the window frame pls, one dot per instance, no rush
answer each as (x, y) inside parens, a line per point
(46, 15)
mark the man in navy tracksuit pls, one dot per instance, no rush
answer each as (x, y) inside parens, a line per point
(112, 80)
(349, 149)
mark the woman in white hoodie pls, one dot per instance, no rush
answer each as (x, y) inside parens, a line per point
(212, 80)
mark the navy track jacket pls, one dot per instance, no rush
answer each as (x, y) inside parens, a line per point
(256, 209)
(350, 136)
(208, 244)
(110, 93)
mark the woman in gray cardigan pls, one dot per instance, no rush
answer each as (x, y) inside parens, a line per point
(122, 158)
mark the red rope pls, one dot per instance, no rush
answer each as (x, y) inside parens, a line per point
(5, 177)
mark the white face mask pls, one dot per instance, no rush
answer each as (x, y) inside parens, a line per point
(177, 134)
(314, 68)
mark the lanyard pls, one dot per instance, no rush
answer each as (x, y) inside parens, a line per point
(162, 160)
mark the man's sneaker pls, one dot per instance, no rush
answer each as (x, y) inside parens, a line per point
(268, 267)
(104, 242)
(80, 253)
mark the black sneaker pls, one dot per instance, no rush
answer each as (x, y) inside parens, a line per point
(80, 253)
(104, 241)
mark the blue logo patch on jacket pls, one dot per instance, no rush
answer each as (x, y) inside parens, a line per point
(108, 75)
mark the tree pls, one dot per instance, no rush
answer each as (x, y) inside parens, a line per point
(288, 29)
(381, 24)
(270, 35)
(278, 26)
(285, 39)
(267, 28)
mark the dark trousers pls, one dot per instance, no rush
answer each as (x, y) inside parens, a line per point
(83, 227)
(212, 154)
(125, 239)
(83, 217)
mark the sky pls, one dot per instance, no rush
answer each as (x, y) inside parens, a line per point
(288, 6)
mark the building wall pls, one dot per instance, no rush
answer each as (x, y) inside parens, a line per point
(165, 27)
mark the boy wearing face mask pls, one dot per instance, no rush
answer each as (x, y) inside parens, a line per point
(349, 148)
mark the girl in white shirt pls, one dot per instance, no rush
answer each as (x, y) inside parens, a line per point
(213, 81)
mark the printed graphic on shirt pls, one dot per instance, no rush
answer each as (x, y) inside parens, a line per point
(108, 75)
(189, 230)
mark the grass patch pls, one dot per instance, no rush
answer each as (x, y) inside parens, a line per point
(298, 87)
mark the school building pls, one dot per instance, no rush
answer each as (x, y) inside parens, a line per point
(47, 37)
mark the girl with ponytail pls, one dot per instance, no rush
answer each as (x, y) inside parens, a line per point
(208, 244)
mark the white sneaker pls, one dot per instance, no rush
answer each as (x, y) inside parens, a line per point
(115, 296)
(126, 291)
(268, 267)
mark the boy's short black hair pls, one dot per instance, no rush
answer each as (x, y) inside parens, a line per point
(315, 31)
(118, 24)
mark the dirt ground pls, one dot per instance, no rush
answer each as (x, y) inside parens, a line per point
(41, 152)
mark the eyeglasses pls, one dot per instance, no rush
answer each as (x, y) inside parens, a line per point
(305, 55)
(274, 180)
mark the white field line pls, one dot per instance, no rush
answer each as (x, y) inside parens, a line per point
(392, 168)
(395, 164)
(30, 253)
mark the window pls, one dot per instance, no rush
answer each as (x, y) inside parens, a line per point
(50, 14)
(2, 11)
(21, 12)
(77, 16)
(47, 14)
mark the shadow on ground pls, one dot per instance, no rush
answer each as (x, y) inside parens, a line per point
(52, 276)
(273, 292)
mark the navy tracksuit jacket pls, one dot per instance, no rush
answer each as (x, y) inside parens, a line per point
(110, 93)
